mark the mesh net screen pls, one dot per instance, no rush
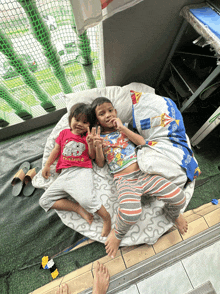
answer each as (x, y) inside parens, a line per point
(42, 58)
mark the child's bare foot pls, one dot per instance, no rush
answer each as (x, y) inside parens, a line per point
(85, 214)
(63, 289)
(101, 279)
(181, 224)
(112, 244)
(106, 226)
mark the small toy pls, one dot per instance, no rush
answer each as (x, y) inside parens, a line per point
(49, 264)
(215, 201)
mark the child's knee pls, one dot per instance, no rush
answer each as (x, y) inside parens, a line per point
(129, 216)
(43, 202)
(130, 211)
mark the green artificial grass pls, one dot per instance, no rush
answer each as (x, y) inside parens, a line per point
(33, 277)
(208, 157)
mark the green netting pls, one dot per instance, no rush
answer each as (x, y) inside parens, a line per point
(42, 58)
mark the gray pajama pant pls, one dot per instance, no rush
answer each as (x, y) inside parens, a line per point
(76, 182)
(132, 186)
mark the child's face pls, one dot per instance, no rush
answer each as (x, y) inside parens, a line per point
(79, 125)
(105, 113)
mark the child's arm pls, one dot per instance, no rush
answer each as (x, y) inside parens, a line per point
(98, 142)
(53, 156)
(134, 137)
(99, 159)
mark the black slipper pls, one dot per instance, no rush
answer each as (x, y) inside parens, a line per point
(29, 188)
(18, 178)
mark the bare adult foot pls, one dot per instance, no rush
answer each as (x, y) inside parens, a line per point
(106, 226)
(64, 289)
(101, 279)
(85, 214)
(112, 244)
(181, 224)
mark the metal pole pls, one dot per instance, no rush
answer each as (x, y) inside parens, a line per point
(7, 49)
(214, 74)
(42, 34)
(21, 109)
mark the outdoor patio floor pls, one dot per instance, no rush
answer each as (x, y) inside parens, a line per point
(186, 274)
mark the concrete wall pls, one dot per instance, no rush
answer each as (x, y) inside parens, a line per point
(137, 40)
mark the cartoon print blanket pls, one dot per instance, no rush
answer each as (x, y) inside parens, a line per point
(160, 122)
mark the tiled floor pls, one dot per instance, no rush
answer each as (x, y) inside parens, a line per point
(180, 278)
(183, 276)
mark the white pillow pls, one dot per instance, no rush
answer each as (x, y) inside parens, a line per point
(119, 96)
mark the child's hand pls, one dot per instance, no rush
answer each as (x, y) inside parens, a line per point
(46, 172)
(98, 141)
(117, 123)
(91, 135)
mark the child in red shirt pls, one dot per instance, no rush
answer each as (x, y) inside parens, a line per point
(74, 147)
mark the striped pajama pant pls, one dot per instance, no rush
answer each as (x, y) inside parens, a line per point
(132, 186)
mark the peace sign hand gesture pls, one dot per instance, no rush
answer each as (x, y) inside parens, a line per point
(90, 136)
(98, 141)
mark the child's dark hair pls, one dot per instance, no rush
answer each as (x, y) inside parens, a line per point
(97, 102)
(80, 110)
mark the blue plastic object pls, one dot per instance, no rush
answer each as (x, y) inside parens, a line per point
(215, 201)
(209, 18)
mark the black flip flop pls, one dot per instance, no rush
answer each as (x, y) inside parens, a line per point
(18, 178)
(29, 188)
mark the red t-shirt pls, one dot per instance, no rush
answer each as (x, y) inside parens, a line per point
(73, 151)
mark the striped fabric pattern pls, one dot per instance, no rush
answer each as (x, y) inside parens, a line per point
(132, 186)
